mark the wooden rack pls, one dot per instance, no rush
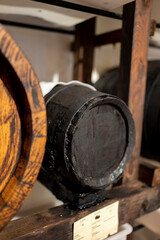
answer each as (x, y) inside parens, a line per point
(135, 197)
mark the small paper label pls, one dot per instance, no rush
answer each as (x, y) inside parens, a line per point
(97, 225)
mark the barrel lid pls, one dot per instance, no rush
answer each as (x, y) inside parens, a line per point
(99, 141)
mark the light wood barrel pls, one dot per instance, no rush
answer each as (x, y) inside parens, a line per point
(22, 127)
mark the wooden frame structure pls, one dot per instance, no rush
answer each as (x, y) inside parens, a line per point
(134, 37)
(139, 197)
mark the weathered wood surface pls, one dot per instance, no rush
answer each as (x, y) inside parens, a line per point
(83, 153)
(10, 134)
(22, 127)
(84, 51)
(135, 200)
(133, 70)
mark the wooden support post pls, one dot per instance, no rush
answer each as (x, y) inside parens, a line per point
(133, 69)
(84, 49)
(126, 51)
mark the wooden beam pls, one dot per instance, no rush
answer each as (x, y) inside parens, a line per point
(104, 39)
(112, 37)
(84, 49)
(133, 69)
(126, 51)
(57, 223)
(108, 38)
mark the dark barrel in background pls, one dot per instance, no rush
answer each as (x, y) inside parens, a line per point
(151, 123)
(90, 139)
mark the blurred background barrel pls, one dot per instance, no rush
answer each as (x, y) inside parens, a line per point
(90, 139)
(151, 123)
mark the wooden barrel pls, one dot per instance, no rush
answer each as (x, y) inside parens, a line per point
(22, 127)
(151, 123)
(90, 138)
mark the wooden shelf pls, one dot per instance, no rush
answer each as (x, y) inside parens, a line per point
(135, 199)
(40, 14)
(102, 4)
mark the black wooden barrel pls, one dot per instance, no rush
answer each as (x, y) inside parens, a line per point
(151, 123)
(90, 138)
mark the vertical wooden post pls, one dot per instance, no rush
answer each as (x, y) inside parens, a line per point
(84, 49)
(135, 35)
(126, 50)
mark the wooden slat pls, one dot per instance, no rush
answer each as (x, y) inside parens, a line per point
(84, 49)
(133, 70)
(56, 223)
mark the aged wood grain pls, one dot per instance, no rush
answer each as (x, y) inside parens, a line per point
(56, 223)
(10, 135)
(22, 127)
(133, 70)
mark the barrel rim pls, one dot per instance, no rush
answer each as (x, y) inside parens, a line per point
(114, 172)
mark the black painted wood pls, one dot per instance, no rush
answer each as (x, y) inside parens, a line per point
(90, 139)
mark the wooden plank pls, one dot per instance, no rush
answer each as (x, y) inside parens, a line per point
(56, 223)
(84, 50)
(133, 70)
(32, 12)
(101, 4)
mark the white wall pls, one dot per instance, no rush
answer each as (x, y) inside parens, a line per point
(107, 56)
(49, 53)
